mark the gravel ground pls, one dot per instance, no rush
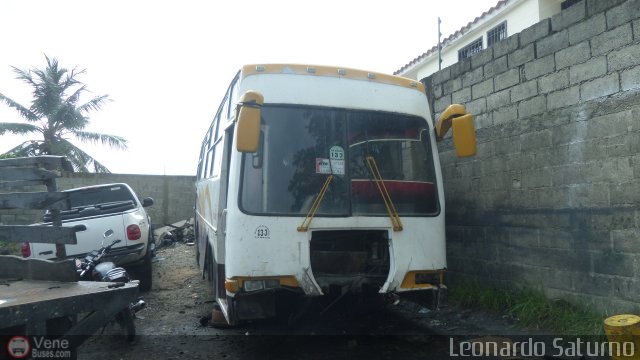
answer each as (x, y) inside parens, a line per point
(170, 327)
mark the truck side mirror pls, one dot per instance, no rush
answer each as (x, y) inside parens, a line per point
(248, 129)
(146, 202)
(455, 117)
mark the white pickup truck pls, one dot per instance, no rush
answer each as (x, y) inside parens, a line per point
(100, 208)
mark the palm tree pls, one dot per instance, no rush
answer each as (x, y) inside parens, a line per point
(56, 114)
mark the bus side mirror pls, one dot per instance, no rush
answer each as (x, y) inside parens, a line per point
(248, 129)
(455, 117)
(464, 136)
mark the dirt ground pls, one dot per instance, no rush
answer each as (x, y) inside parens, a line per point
(171, 326)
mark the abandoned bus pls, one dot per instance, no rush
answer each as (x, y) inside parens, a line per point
(315, 180)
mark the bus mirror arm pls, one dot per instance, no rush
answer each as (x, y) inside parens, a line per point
(455, 117)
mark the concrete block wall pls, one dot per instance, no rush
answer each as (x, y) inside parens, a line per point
(552, 198)
(174, 196)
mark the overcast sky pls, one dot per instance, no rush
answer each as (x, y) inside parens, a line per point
(166, 64)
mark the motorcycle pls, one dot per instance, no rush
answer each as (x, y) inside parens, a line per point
(93, 268)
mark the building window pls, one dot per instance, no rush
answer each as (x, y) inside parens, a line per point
(496, 34)
(469, 50)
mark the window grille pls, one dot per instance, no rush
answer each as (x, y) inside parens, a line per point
(496, 34)
(469, 50)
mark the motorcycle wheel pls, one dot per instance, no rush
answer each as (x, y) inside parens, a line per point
(128, 327)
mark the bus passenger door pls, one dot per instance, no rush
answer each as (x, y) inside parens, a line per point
(222, 210)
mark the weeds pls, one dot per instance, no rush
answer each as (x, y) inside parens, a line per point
(530, 307)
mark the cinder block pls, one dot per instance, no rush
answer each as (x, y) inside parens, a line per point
(472, 77)
(535, 32)
(441, 103)
(521, 56)
(507, 79)
(587, 29)
(625, 12)
(482, 89)
(505, 114)
(536, 179)
(523, 199)
(524, 91)
(506, 46)
(630, 79)
(497, 66)
(627, 288)
(461, 67)
(532, 106)
(610, 125)
(624, 58)
(563, 98)
(569, 16)
(553, 198)
(592, 284)
(8, 219)
(612, 39)
(613, 264)
(451, 86)
(461, 96)
(552, 82)
(625, 194)
(597, 6)
(441, 76)
(498, 99)
(572, 55)
(539, 67)
(591, 69)
(600, 87)
(476, 107)
(590, 195)
(626, 240)
(551, 44)
(481, 58)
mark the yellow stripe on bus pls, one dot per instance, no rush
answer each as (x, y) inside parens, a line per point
(331, 71)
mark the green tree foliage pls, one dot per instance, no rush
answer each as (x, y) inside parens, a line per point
(57, 114)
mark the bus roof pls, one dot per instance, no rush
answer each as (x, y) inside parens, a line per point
(330, 71)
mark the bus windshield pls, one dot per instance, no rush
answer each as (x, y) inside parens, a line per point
(300, 147)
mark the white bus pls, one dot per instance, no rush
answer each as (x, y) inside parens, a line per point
(321, 180)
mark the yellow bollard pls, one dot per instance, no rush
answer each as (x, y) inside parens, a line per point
(621, 330)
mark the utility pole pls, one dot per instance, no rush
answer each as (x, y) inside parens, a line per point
(439, 46)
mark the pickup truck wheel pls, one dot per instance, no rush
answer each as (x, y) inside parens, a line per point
(146, 273)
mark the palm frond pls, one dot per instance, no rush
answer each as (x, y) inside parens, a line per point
(24, 111)
(24, 75)
(94, 104)
(18, 128)
(56, 93)
(80, 160)
(104, 139)
(26, 149)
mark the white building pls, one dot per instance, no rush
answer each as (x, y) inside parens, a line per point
(506, 18)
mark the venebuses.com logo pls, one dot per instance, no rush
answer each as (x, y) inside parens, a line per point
(38, 347)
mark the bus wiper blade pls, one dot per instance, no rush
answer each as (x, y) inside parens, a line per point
(316, 204)
(388, 203)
